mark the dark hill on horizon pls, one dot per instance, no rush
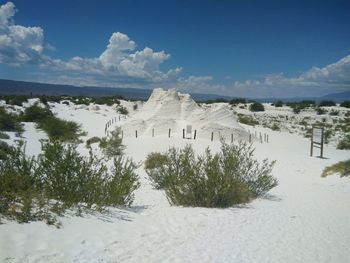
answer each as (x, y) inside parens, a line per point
(14, 87)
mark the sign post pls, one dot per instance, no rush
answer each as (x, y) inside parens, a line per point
(317, 140)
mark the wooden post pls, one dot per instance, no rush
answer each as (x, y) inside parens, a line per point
(169, 132)
(122, 134)
(267, 137)
(136, 133)
(250, 137)
(260, 138)
(183, 133)
(153, 132)
(232, 138)
(312, 146)
(212, 136)
(322, 143)
(195, 134)
(119, 117)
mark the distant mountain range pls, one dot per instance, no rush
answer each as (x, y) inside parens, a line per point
(13, 87)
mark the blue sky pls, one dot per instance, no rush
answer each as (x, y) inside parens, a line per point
(237, 48)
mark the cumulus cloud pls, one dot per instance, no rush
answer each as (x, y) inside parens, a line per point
(314, 82)
(18, 44)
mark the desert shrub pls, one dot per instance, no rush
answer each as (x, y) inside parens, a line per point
(59, 129)
(223, 179)
(296, 110)
(112, 145)
(93, 140)
(256, 106)
(4, 136)
(345, 104)
(9, 121)
(122, 182)
(122, 110)
(343, 168)
(135, 106)
(154, 162)
(4, 150)
(15, 99)
(344, 144)
(238, 101)
(248, 120)
(278, 103)
(109, 101)
(18, 184)
(275, 127)
(320, 111)
(327, 103)
(334, 113)
(35, 113)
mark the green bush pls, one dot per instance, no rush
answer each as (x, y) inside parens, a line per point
(345, 104)
(327, 103)
(344, 144)
(35, 113)
(279, 103)
(93, 140)
(320, 111)
(122, 110)
(59, 129)
(256, 106)
(153, 164)
(112, 146)
(9, 121)
(19, 184)
(343, 168)
(248, 120)
(4, 150)
(4, 136)
(224, 179)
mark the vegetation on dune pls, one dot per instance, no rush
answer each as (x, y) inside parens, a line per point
(112, 146)
(10, 121)
(93, 140)
(256, 106)
(122, 110)
(223, 179)
(344, 144)
(247, 119)
(343, 168)
(61, 178)
(345, 104)
(55, 128)
(327, 103)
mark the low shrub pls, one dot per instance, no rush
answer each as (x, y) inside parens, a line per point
(224, 179)
(345, 104)
(112, 146)
(123, 110)
(248, 120)
(10, 121)
(153, 164)
(320, 111)
(93, 140)
(4, 150)
(59, 129)
(4, 136)
(327, 103)
(60, 178)
(256, 106)
(344, 144)
(279, 103)
(35, 113)
(343, 168)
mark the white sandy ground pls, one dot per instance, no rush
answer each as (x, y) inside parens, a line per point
(304, 219)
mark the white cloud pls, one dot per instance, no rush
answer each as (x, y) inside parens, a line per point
(18, 44)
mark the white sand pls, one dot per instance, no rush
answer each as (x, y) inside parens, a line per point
(304, 219)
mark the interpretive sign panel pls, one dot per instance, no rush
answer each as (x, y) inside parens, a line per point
(317, 139)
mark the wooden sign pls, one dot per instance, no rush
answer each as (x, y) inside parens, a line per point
(317, 140)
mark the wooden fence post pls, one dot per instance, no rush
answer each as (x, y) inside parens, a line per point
(232, 138)
(212, 136)
(183, 133)
(136, 133)
(169, 132)
(195, 134)
(153, 132)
